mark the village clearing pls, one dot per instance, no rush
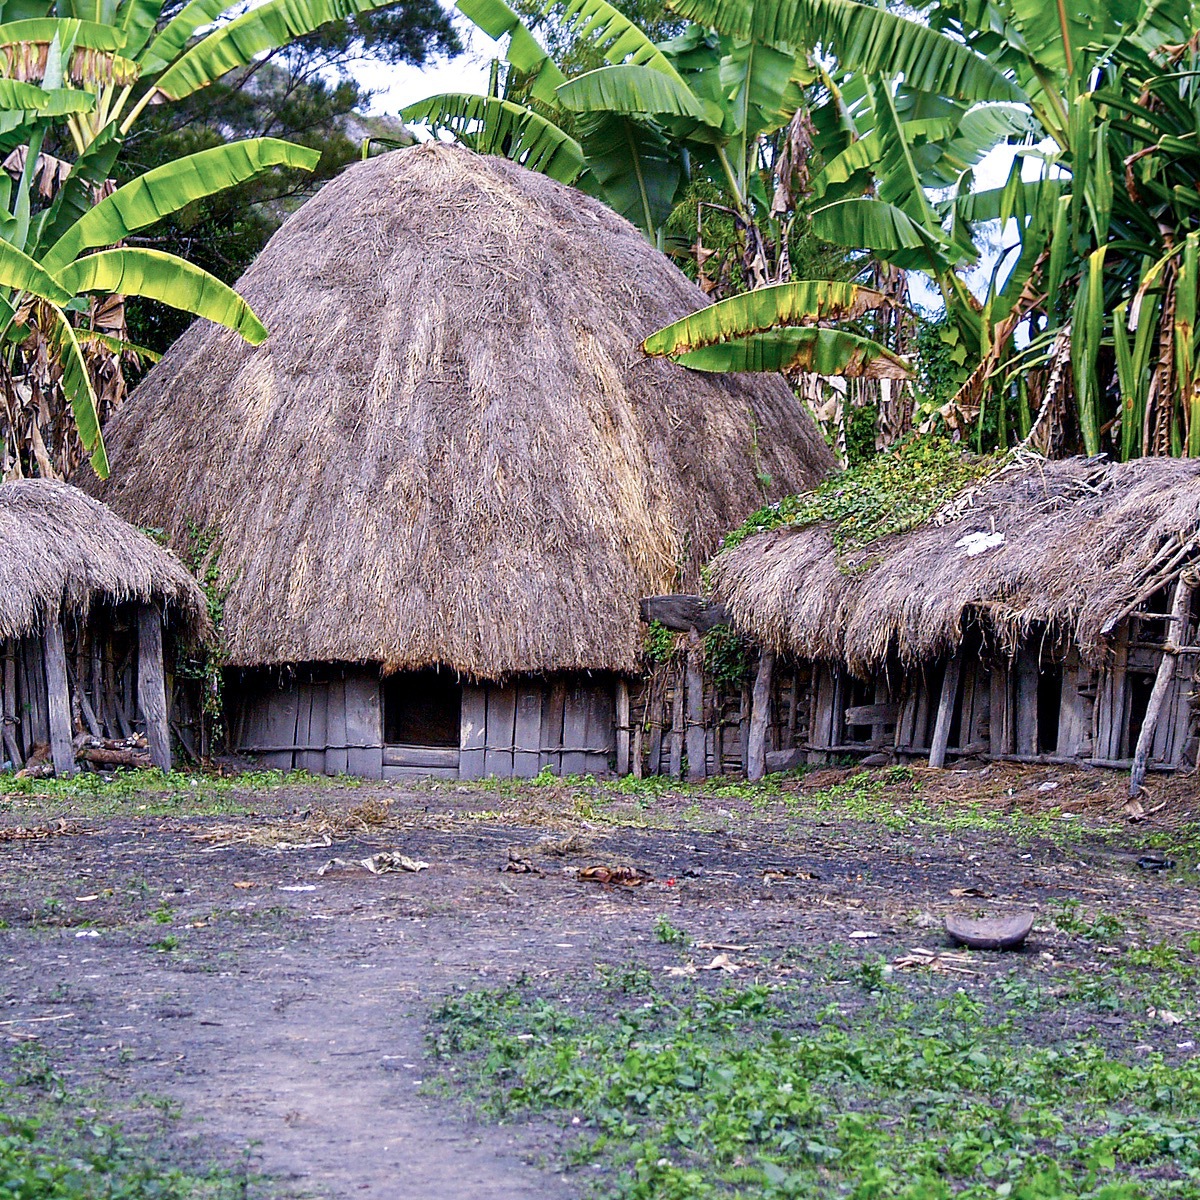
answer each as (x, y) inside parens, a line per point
(278, 986)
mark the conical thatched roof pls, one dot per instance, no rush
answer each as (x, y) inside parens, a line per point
(1073, 546)
(61, 551)
(451, 448)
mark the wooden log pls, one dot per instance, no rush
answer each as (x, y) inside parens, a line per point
(696, 750)
(9, 715)
(683, 614)
(760, 716)
(677, 718)
(945, 712)
(102, 757)
(81, 706)
(152, 686)
(58, 699)
(1181, 605)
(871, 714)
(623, 730)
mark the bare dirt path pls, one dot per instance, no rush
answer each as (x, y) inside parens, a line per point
(284, 1010)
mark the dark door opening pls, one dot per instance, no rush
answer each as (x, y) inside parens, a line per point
(1049, 707)
(1140, 686)
(422, 708)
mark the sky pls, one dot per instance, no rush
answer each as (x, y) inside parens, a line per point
(395, 87)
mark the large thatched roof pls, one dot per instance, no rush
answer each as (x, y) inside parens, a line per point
(1071, 545)
(62, 551)
(451, 448)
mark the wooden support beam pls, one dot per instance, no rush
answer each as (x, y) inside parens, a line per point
(677, 719)
(1180, 607)
(10, 705)
(696, 751)
(58, 695)
(622, 727)
(760, 715)
(639, 737)
(683, 614)
(152, 686)
(655, 718)
(945, 712)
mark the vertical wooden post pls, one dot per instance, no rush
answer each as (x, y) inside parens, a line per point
(622, 727)
(744, 728)
(760, 716)
(945, 712)
(696, 753)
(677, 718)
(152, 686)
(10, 705)
(639, 736)
(1180, 607)
(655, 706)
(58, 695)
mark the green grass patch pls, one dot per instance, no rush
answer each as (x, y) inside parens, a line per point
(888, 1093)
(57, 1145)
(157, 792)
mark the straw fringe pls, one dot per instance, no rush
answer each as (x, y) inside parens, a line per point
(1082, 541)
(451, 449)
(61, 552)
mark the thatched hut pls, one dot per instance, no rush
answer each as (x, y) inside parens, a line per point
(442, 484)
(1047, 615)
(84, 599)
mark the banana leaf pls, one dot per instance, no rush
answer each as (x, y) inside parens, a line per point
(167, 189)
(167, 278)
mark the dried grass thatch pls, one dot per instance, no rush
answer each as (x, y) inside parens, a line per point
(62, 551)
(1083, 543)
(451, 449)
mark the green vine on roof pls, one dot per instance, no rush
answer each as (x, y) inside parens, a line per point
(890, 493)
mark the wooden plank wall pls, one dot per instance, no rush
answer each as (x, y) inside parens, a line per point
(99, 664)
(659, 716)
(514, 729)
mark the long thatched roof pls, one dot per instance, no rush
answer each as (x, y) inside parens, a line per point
(1072, 546)
(451, 449)
(62, 551)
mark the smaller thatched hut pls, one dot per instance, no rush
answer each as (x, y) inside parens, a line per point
(84, 598)
(1047, 615)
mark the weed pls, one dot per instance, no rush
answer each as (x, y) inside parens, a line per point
(665, 932)
(684, 1092)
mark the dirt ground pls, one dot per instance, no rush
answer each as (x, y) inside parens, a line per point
(207, 960)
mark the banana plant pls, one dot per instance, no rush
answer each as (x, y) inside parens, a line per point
(57, 265)
(129, 55)
(88, 72)
(784, 327)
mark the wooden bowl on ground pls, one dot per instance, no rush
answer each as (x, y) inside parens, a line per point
(990, 933)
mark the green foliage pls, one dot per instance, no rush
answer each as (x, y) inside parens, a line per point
(728, 657)
(667, 933)
(154, 792)
(206, 663)
(887, 494)
(53, 1147)
(660, 645)
(894, 1095)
